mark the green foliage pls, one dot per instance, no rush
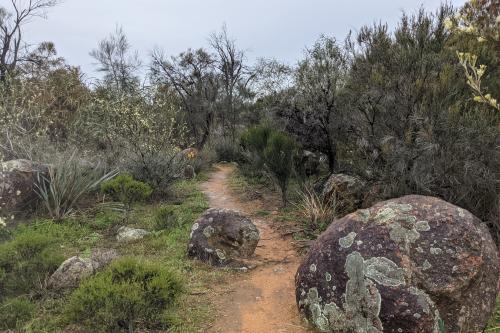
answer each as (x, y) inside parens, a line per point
(165, 217)
(226, 150)
(67, 183)
(14, 312)
(128, 294)
(254, 142)
(126, 189)
(255, 138)
(271, 150)
(278, 156)
(27, 261)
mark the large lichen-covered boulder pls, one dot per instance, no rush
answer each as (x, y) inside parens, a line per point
(17, 185)
(75, 269)
(347, 192)
(221, 236)
(412, 264)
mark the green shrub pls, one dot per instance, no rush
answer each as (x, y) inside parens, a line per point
(127, 294)
(67, 183)
(27, 261)
(254, 142)
(256, 137)
(279, 155)
(165, 218)
(14, 312)
(106, 220)
(159, 169)
(126, 189)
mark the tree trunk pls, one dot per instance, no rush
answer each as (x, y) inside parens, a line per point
(332, 156)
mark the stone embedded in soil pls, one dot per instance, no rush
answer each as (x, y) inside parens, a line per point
(404, 265)
(126, 234)
(221, 236)
(75, 269)
(345, 190)
(18, 179)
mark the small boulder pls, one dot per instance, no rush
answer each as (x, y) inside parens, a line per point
(309, 163)
(126, 234)
(75, 269)
(345, 190)
(190, 153)
(18, 180)
(221, 236)
(411, 264)
(189, 172)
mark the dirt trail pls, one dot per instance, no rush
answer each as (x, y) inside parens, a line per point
(262, 300)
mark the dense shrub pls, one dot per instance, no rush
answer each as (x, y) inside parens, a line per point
(129, 293)
(227, 150)
(278, 156)
(14, 312)
(254, 142)
(255, 138)
(272, 151)
(159, 169)
(27, 261)
(126, 189)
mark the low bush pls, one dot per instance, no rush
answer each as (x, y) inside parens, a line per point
(27, 261)
(227, 150)
(159, 169)
(128, 294)
(204, 160)
(14, 312)
(165, 218)
(126, 189)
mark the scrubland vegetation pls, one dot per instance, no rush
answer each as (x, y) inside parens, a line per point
(411, 110)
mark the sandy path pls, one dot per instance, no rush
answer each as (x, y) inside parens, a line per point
(262, 300)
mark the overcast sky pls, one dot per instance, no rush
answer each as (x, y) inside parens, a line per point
(266, 28)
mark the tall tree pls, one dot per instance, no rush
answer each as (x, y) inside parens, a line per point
(13, 48)
(234, 74)
(313, 114)
(117, 61)
(193, 77)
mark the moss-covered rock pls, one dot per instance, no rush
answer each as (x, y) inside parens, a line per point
(345, 190)
(410, 264)
(220, 236)
(73, 270)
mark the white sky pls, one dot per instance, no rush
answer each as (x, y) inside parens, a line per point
(266, 28)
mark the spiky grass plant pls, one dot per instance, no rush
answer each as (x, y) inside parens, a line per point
(66, 184)
(318, 212)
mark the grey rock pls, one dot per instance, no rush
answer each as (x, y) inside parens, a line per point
(72, 271)
(126, 234)
(221, 236)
